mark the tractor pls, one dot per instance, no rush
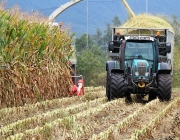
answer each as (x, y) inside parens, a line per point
(141, 63)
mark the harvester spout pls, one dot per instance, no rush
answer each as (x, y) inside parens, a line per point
(131, 13)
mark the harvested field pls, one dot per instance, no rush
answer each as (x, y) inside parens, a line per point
(92, 117)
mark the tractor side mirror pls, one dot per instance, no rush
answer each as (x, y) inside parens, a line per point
(168, 47)
(113, 44)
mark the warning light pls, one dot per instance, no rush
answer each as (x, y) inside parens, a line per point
(118, 32)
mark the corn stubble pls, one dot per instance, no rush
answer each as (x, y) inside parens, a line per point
(96, 120)
(47, 117)
(41, 107)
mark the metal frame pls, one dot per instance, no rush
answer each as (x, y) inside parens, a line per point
(61, 9)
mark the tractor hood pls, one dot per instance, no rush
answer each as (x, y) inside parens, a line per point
(140, 68)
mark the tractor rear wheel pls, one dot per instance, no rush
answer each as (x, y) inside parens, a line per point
(164, 87)
(117, 85)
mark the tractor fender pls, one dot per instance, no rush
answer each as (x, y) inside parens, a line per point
(117, 71)
(163, 68)
(111, 67)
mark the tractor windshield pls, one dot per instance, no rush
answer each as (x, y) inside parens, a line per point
(139, 50)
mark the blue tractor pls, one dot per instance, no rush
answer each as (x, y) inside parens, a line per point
(141, 63)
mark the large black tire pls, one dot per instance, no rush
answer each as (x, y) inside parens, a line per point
(164, 87)
(117, 86)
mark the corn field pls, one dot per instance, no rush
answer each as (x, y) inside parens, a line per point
(33, 60)
(92, 117)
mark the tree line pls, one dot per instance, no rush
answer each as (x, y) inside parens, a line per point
(92, 54)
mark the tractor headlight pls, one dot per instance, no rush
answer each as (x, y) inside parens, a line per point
(137, 73)
(146, 73)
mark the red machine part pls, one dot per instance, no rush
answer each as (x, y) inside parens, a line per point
(77, 90)
(80, 88)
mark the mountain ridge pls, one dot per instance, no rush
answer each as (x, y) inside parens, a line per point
(100, 12)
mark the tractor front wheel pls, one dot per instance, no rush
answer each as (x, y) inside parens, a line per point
(108, 87)
(117, 85)
(164, 87)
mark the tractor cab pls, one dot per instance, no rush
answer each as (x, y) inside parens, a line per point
(140, 56)
(139, 59)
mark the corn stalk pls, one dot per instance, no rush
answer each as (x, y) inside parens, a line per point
(33, 61)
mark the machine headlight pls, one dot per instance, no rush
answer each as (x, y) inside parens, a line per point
(137, 73)
(146, 73)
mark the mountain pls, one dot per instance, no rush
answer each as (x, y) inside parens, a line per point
(99, 12)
